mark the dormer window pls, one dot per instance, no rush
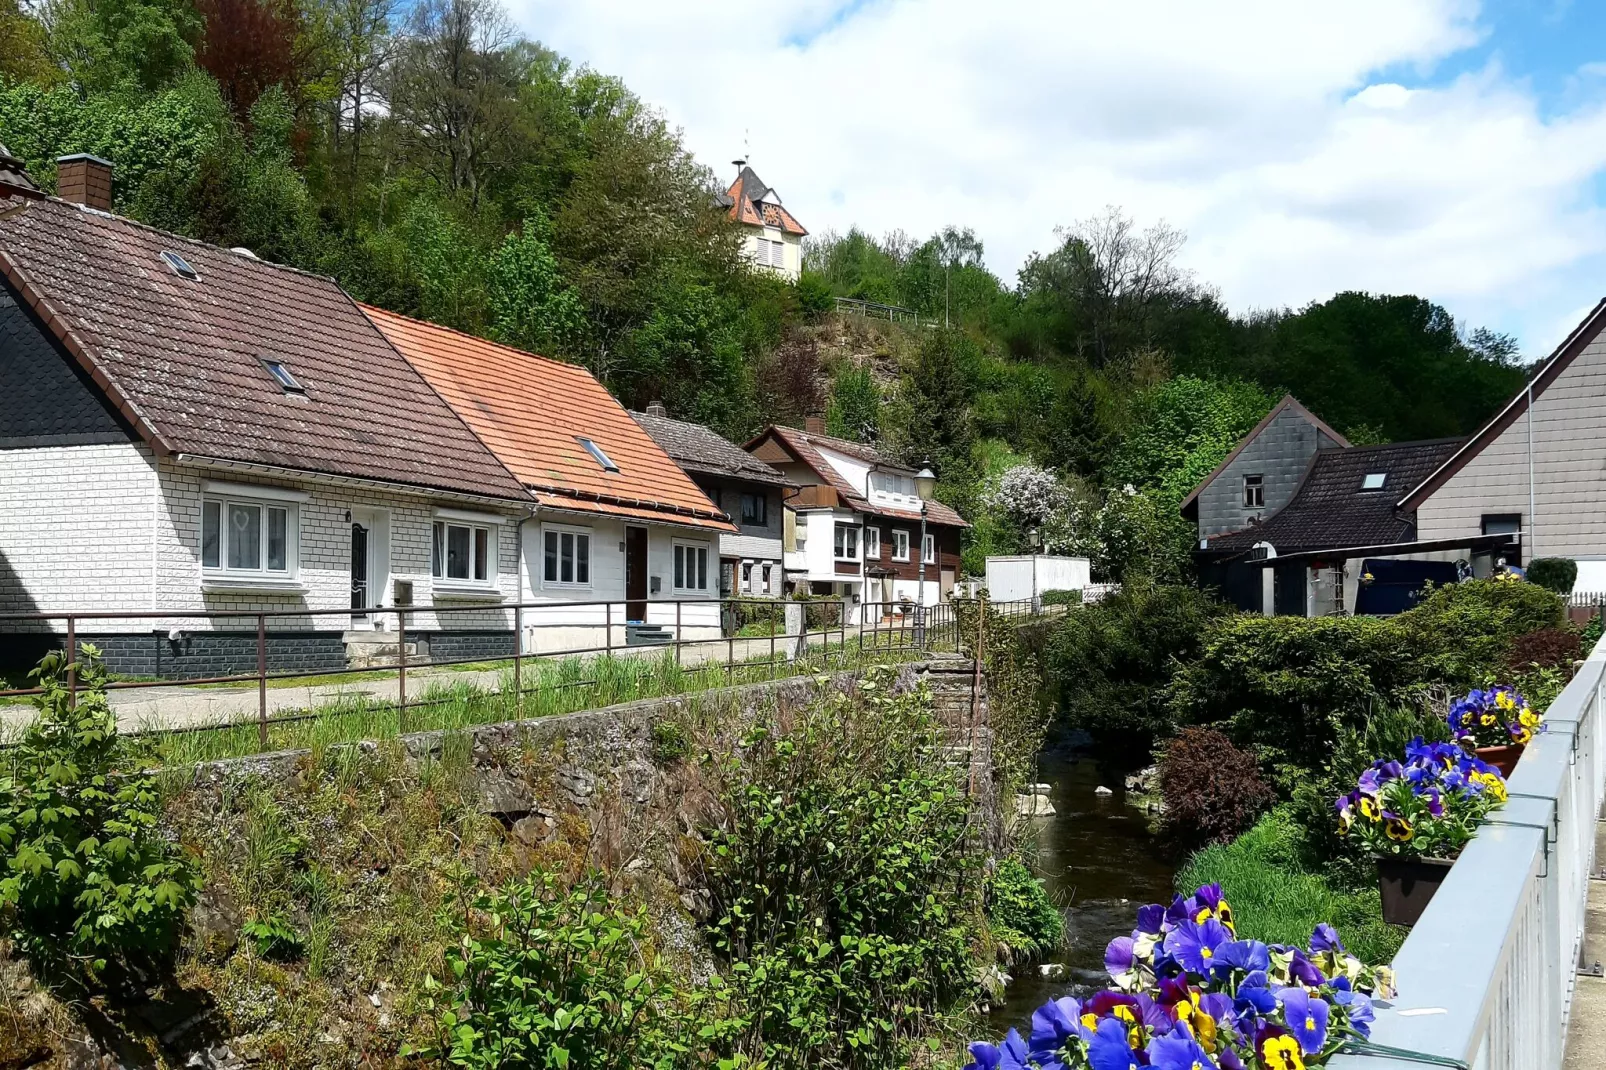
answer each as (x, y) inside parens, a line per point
(1374, 480)
(599, 455)
(282, 376)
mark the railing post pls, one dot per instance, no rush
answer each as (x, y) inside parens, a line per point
(678, 605)
(262, 680)
(518, 658)
(607, 626)
(401, 670)
(72, 662)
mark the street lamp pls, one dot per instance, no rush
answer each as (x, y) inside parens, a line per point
(925, 486)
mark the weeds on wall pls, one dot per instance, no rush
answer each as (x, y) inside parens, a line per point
(92, 893)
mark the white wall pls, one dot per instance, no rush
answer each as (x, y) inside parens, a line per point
(854, 471)
(1011, 579)
(1569, 438)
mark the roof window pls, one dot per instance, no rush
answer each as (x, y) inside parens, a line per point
(597, 453)
(1373, 480)
(180, 266)
(282, 376)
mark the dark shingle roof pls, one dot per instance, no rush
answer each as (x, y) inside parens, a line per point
(697, 449)
(1332, 508)
(802, 445)
(745, 207)
(13, 174)
(182, 360)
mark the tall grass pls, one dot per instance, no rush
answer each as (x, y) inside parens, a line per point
(546, 688)
(1276, 900)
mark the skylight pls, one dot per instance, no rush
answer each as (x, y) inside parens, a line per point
(596, 452)
(1373, 480)
(282, 376)
(180, 266)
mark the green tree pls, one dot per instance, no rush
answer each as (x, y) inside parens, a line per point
(531, 305)
(854, 411)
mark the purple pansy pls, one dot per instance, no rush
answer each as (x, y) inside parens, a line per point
(1305, 1017)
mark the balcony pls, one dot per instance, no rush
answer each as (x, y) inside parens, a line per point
(815, 496)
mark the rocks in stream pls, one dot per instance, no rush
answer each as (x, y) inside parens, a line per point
(1033, 805)
(1051, 971)
(1103, 792)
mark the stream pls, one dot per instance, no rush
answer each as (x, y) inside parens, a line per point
(1100, 862)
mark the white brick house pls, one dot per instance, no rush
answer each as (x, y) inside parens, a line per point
(772, 238)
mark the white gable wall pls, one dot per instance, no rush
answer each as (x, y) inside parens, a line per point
(1569, 471)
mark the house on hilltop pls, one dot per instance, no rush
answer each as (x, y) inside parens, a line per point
(853, 526)
(749, 491)
(771, 238)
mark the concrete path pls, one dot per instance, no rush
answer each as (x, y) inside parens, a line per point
(179, 706)
(1586, 1026)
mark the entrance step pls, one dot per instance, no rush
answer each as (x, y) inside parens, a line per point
(371, 650)
(638, 634)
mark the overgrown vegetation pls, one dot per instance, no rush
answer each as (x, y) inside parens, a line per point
(92, 892)
(1023, 920)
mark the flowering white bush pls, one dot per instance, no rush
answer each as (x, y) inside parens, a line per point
(1028, 495)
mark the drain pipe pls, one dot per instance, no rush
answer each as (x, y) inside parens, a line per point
(1268, 581)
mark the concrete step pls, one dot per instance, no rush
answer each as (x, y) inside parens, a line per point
(365, 650)
(646, 635)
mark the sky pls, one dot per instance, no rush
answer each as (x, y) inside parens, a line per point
(1446, 148)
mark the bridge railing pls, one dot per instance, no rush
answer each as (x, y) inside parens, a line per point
(1486, 977)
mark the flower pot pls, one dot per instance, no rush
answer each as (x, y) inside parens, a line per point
(1408, 884)
(1503, 758)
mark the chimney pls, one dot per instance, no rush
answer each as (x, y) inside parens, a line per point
(814, 425)
(86, 180)
(656, 408)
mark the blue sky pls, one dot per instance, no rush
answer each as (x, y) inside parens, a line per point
(1441, 147)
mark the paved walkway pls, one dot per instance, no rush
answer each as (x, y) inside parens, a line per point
(180, 706)
(1586, 1025)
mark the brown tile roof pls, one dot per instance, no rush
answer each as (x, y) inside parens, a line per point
(1332, 508)
(532, 412)
(14, 178)
(697, 449)
(743, 200)
(182, 359)
(806, 446)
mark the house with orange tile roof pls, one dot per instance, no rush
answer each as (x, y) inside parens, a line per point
(853, 527)
(615, 520)
(772, 239)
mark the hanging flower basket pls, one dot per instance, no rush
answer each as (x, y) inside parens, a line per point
(1408, 884)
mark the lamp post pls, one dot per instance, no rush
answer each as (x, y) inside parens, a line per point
(925, 485)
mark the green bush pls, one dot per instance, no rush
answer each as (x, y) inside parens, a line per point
(1466, 629)
(1276, 900)
(844, 887)
(92, 892)
(1110, 663)
(543, 976)
(1019, 912)
(1554, 574)
(1062, 598)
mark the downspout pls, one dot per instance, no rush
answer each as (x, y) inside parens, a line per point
(1268, 581)
(1528, 552)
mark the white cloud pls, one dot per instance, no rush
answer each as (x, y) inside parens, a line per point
(1298, 145)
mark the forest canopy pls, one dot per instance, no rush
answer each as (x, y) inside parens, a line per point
(437, 162)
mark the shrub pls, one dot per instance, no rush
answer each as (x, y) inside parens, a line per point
(1062, 598)
(1276, 900)
(1111, 662)
(670, 742)
(1554, 574)
(1592, 632)
(543, 976)
(1212, 790)
(842, 880)
(1019, 912)
(1544, 648)
(1463, 630)
(92, 892)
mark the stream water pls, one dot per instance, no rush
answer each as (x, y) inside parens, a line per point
(1099, 860)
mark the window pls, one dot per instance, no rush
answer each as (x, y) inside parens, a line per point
(892, 483)
(747, 575)
(847, 542)
(691, 567)
(1254, 491)
(755, 509)
(1502, 523)
(282, 376)
(1373, 480)
(769, 587)
(243, 536)
(777, 254)
(872, 543)
(928, 549)
(900, 545)
(179, 266)
(463, 552)
(565, 557)
(599, 456)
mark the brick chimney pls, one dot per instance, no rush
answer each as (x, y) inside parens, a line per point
(657, 408)
(85, 179)
(814, 425)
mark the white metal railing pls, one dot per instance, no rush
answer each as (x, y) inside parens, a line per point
(1486, 977)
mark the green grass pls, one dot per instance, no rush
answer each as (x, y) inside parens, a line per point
(548, 688)
(1278, 901)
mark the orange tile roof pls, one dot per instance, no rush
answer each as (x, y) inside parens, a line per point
(532, 411)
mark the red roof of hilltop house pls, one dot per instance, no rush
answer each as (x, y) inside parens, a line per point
(537, 414)
(752, 202)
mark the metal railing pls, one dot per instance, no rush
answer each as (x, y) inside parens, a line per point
(890, 313)
(1486, 977)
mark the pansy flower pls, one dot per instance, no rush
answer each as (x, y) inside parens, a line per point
(1179, 1050)
(1325, 938)
(1194, 944)
(1055, 1023)
(1305, 1017)
(1008, 1055)
(1121, 961)
(1111, 1048)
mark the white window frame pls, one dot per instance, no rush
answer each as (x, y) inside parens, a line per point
(1255, 493)
(857, 533)
(900, 536)
(688, 552)
(872, 544)
(928, 549)
(557, 531)
(266, 501)
(440, 540)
